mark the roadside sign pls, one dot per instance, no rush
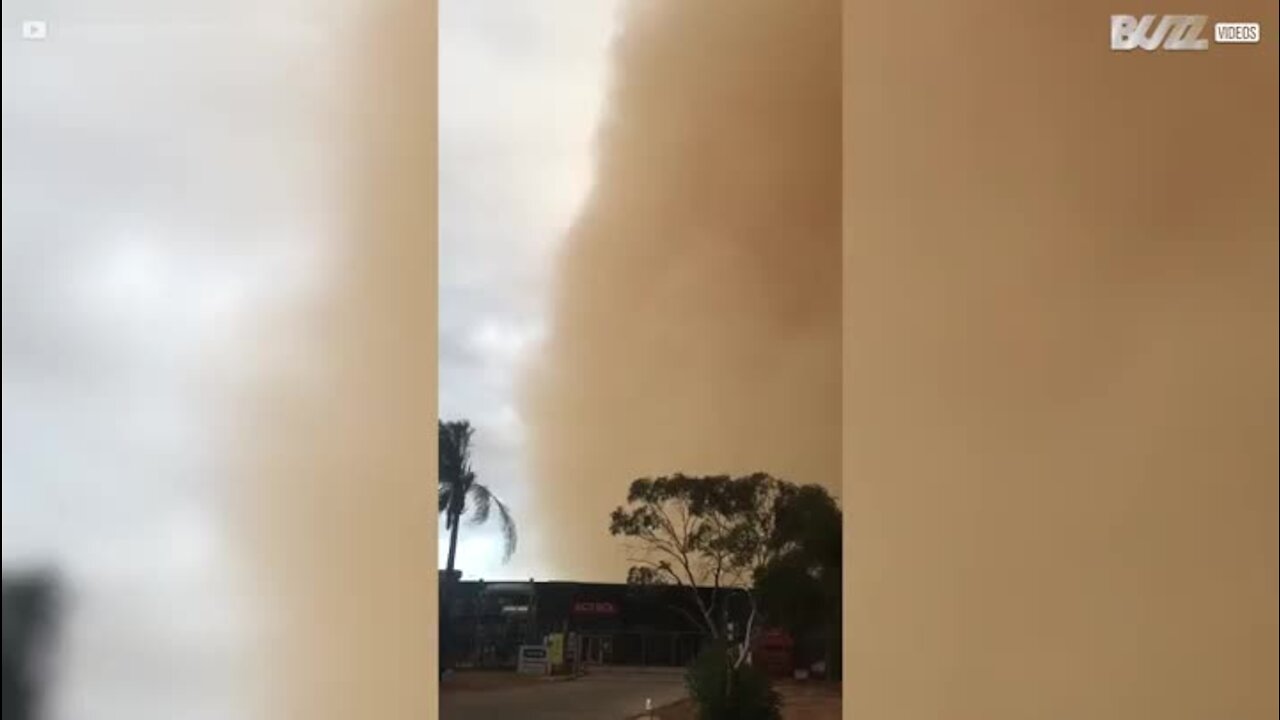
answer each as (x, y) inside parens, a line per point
(533, 660)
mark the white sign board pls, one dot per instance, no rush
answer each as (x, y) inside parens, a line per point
(533, 660)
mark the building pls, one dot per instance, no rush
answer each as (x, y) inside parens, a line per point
(610, 624)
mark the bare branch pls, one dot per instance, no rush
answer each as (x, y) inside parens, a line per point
(701, 625)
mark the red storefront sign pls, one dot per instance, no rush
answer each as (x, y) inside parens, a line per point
(773, 651)
(594, 608)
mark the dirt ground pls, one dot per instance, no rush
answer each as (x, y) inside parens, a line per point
(477, 680)
(599, 696)
(800, 701)
(810, 701)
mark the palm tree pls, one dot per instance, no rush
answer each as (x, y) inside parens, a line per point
(458, 483)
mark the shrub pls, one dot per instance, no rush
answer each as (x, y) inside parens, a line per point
(724, 693)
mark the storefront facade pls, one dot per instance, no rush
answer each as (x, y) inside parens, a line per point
(607, 624)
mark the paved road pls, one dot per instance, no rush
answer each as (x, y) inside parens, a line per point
(594, 697)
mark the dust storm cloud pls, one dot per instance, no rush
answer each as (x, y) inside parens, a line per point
(1061, 308)
(696, 312)
(340, 516)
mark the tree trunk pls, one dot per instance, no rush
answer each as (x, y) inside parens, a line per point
(446, 594)
(744, 650)
(453, 519)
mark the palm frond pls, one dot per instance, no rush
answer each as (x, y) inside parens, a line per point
(455, 452)
(452, 504)
(457, 485)
(508, 524)
(485, 501)
(455, 469)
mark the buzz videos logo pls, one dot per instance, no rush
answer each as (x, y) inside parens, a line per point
(1176, 32)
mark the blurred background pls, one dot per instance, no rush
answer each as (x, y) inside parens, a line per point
(196, 292)
(220, 366)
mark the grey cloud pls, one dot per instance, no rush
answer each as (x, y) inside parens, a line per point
(520, 87)
(159, 185)
(204, 148)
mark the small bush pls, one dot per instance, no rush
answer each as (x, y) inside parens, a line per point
(723, 693)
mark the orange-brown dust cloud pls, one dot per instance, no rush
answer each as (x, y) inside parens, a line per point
(696, 317)
(340, 516)
(1061, 335)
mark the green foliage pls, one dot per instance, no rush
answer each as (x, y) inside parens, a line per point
(799, 588)
(803, 571)
(790, 596)
(808, 520)
(710, 532)
(698, 529)
(722, 692)
(778, 542)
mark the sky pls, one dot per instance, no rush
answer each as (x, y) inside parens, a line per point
(160, 192)
(521, 92)
(167, 186)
